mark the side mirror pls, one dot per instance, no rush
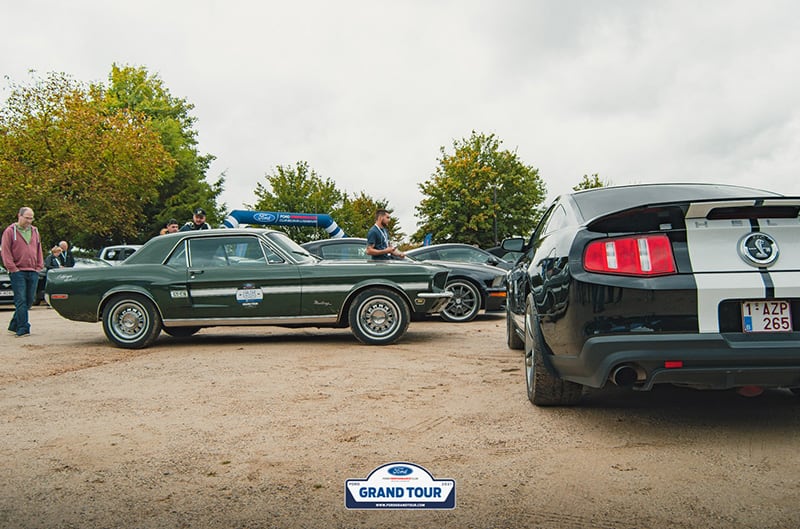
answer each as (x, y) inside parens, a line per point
(513, 244)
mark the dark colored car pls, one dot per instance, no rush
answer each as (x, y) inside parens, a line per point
(474, 286)
(505, 255)
(690, 284)
(182, 282)
(457, 252)
(7, 295)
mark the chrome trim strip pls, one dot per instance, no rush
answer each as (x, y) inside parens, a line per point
(294, 289)
(435, 295)
(278, 320)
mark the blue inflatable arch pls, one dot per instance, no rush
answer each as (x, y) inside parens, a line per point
(279, 218)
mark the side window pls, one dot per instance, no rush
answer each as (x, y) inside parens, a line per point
(344, 251)
(462, 254)
(208, 253)
(272, 257)
(178, 257)
(229, 251)
(557, 219)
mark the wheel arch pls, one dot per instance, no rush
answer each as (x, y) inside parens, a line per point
(344, 311)
(127, 289)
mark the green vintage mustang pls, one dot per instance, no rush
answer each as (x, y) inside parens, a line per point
(182, 282)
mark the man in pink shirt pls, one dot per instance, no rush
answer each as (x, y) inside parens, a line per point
(21, 249)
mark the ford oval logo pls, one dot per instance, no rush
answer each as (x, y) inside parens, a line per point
(265, 218)
(758, 249)
(400, 471)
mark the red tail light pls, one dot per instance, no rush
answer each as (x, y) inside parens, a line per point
(643, 255)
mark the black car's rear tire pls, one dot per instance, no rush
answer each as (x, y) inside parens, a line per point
(465, 303)
(181, 332)
(379, 316)
(131, 321)
(544, 388)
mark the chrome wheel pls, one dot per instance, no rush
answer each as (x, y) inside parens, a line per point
(379, 316)
(131, 321)
(465, 303)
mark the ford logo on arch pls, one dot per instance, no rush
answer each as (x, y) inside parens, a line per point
(400, 485)
(400, 471)
(265, 218)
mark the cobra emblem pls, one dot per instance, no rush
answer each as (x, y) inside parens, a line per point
(758, 249)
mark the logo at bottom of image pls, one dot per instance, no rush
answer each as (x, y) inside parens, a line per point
(400, 485)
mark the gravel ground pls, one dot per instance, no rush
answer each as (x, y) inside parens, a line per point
(260, 428)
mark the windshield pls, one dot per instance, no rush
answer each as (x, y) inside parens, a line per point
(290, 247)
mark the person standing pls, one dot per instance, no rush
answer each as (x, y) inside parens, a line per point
(378, 238)
(198, 221)
(172, 226)
(66, 256)
(22, 256)
(54, 259)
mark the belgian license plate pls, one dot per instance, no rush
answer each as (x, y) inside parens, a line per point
(767, 316)
(6, 293)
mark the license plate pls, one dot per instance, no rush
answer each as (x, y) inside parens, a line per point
(767, 316)
(6, 293)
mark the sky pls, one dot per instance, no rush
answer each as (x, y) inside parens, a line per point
(369, 92)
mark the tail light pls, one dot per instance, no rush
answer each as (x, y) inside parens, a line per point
(643, 255)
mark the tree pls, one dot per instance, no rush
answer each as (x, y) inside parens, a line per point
(89, 173)
(184, 188)
(298, 189)
(479, 194)
(356, 215)
(591, 182)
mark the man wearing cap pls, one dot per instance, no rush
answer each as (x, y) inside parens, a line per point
(198, 221)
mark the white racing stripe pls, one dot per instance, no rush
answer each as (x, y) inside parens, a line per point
(712, 289)
(721, 273)
(713, 245)
(787, 284)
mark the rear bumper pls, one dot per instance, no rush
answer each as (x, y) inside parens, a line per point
(708, 360)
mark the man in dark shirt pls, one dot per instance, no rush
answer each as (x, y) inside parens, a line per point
(378, 239)
(198, 221)
(66, 257)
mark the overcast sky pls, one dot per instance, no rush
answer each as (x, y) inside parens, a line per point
(368, 91)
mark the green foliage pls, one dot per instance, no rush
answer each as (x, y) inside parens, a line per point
(184, 188)
(591, 182)
(88, 172)
(356, 216)
(300, 189)
(479, 194)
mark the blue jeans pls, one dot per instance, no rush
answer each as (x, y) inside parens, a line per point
(24, 284)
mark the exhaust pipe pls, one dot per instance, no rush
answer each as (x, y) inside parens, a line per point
(626, 375)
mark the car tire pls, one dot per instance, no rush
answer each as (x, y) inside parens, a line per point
(465, 303)
(544, 388)
(379, 316)
(512, 338)
(131, 321)
(181, 332)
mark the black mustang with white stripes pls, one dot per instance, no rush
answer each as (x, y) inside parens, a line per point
(690, 284)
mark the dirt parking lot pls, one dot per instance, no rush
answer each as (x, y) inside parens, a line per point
(260, 427)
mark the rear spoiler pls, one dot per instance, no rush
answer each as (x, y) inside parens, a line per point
(668, 215)
(761, 208)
